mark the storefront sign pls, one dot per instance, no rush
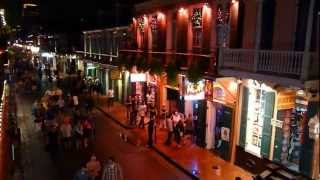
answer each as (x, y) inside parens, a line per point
(225, 134)
(138, 77)
(286, 101)
(208, 90)
(194, 91)
(115, 74)
(218, 93)
(276, 123)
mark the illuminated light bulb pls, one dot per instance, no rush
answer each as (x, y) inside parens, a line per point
(182, 11)
(300, 92)
(233, 86)
(160, 15)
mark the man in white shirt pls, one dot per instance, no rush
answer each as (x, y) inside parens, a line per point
(75, 100)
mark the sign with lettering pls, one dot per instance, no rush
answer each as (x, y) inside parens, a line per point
(277, 123)
(194, 91)
(115, 74)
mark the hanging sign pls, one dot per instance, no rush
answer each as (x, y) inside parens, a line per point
(277, 123)
(115, 74)
(194, 91)
(138, 77)
(208, 90)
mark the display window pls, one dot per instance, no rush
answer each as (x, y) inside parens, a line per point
(257, 112)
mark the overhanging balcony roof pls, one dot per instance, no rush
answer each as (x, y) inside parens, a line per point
(160, 4)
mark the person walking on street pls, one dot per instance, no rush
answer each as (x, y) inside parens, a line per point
(142, 114)
(78, 133)
(112, 170)
(163, 123)
(81, 174)
(129, 107)
(133, 116)
(151, 127)
(66, 131)
(110, 98)
(87, 131)
(93, 167)
(170, 131)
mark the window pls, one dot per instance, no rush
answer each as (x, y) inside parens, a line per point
(197, 37)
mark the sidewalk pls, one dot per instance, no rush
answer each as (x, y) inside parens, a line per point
(191, 159)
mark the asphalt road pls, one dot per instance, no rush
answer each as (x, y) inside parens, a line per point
(138, 163)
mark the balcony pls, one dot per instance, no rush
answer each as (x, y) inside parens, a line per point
(283, 67)
(182, 60)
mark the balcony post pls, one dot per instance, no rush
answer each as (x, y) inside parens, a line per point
(306, 54)
(255, 60)
(220, 60)
(258, 35)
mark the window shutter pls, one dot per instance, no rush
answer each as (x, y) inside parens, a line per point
(266, 131)
(244, 112)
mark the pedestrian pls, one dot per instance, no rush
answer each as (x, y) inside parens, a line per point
(189, 126)
(66, 133)
(129, 107)
(93, 167)
(75, 101)
(78, 133)
(87, 131)
(133, 116)
(170, 131)
(110, 98)
(61, 103)
(178, 132)
(142, 114)
(112, 170)
(81, 174)
(151, 127)
(163, 123)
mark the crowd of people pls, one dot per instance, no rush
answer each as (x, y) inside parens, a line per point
(179, 127)
(63, 121)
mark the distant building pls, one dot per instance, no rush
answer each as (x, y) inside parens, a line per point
(30, 16)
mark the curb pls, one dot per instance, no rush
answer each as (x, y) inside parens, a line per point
(163, 155)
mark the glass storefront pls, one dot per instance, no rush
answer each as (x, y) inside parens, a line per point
(274, 125)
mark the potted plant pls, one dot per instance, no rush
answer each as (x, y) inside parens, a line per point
(194, 73)
(172, 73)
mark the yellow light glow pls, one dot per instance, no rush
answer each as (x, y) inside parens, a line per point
(182, 11)
(160, 16)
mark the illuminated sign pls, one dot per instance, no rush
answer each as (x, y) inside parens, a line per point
(115, 74)
(138, 77)
(194, 91)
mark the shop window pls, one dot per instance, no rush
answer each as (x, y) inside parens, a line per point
(197, 38)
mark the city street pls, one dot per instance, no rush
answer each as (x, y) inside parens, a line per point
(137, 162)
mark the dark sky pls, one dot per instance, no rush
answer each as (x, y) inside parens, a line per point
(73, 15)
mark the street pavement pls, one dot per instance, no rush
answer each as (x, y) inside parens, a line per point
(137, 162)
(190, 157)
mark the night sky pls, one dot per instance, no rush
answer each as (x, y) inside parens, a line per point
(72, 15)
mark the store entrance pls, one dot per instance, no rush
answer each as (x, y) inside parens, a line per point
(223, 117)
(199, 120)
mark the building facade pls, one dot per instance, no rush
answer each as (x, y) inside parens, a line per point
(246, 70)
